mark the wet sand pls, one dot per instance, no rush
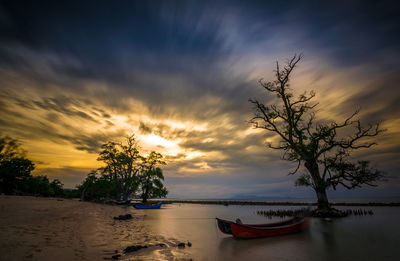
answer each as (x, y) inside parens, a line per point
(62, 229)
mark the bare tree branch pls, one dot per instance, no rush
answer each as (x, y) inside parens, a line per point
(320, 146)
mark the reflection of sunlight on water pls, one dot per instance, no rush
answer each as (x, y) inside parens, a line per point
(341, 238)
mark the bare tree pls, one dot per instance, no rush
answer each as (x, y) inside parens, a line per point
(323, 148)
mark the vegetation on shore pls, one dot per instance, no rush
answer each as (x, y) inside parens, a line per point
(16, 177)
(126, 173)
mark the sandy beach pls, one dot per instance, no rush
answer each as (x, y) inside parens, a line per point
(62, 229)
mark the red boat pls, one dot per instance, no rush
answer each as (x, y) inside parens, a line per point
(239, 230)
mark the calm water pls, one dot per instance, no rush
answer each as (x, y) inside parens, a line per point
(374, 237)
(303, 200)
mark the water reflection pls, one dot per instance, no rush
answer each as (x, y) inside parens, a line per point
(288, 247)
(352, 238)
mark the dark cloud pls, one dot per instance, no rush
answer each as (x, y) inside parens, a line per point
(66, 69)
(382, 93)
(143, 128)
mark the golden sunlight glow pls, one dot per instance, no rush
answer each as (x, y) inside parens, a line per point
(155, 142)
(58, 155)
(66, 132)
(194, 154)
(208, 140)
(202, 165)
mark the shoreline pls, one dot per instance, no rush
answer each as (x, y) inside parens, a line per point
(267, 203)
(219, 202)
(45, 228)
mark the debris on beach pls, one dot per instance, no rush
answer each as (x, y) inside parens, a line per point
(130, 249)
(135, 248)
(123, 217)
(182, 245)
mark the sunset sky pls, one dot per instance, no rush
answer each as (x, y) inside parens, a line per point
(178, 74)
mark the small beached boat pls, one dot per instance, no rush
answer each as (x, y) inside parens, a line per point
(156, 206)
(240, 230)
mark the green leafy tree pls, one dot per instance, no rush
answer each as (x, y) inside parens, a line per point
(122, 164)
(56, 187)
(322, 148)
(151, 176)
(97, 185)
(39, 186)
(125, 172)
(71, 193)
(15, 168)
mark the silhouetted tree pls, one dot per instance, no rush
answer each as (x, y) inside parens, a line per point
(151, 176)
(321, 147)
(39, 186)
(125, 172)
(15, 168)
(15, 173)
(123, 163)
(71, 193)
(97, 186)
(56, 188)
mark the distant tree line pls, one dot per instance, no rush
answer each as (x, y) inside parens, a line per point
(126, 173)
(16, 177)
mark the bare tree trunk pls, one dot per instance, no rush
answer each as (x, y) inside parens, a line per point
(319, 186)
(145, 194)
(120, 190)
(125, 195)
(323, 203)
(83, 194)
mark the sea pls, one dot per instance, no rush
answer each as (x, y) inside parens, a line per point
(367, 237)
(295, 200)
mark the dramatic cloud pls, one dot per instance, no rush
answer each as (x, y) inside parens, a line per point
(178, 74)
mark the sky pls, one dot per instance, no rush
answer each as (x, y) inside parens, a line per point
(178, 75)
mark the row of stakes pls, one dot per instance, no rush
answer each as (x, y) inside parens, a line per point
(282, 213)
(359, 212)
(298, 212)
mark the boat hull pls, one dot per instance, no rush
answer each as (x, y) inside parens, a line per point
(290, 226)
(157, 206)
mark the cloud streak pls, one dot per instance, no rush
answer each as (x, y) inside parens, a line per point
(178, 75)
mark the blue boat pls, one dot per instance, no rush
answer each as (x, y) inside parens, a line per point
(138, 206)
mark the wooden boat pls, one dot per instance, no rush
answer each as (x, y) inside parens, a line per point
(239, 230)
(156, 206)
